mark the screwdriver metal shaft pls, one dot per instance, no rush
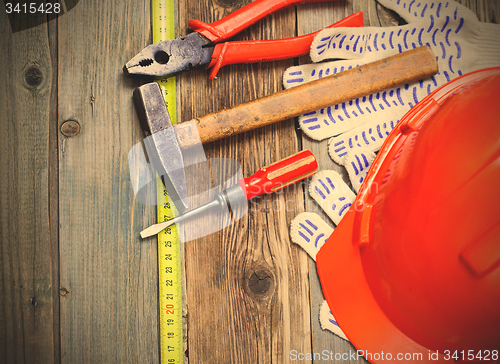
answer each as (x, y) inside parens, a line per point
(221, 200)
(268, 179)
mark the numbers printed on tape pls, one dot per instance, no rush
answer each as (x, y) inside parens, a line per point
(169, 259)
(170, 284)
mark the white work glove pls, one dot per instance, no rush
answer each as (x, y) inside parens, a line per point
(310, 231)
(460, 42)
(358, 128)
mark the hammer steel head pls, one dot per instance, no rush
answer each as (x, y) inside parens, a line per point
(161, 143)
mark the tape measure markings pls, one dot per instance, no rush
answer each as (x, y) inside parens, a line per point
(169, 252)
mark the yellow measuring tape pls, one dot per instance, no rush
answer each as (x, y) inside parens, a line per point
(169, 250)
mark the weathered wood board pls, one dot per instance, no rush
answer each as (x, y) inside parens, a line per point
(77, 284)
(108, 277)
(247, 286)
(27, 320)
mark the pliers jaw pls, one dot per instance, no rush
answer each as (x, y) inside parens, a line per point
(170, 57)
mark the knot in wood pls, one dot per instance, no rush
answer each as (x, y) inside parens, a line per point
(33, 76)
(260, 281)
(70, 128)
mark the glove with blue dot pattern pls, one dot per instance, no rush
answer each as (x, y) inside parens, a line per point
(460, 42)
(358, 128)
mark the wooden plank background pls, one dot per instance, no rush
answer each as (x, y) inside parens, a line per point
(247, 286)
(26, 296)
(76, 283)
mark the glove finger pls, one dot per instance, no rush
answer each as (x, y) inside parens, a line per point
(381, 43)
(335, 120)
(333, 195)
(369, 44)
(310, 232)
(357, 162)
(369, 137)
(328, 322)
(412, 11)
(297, 75)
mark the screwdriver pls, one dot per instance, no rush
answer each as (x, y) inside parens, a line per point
(268, 179)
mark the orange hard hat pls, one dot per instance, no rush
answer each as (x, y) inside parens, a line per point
(413, 269)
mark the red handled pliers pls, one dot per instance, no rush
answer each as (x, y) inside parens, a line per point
(170, 57)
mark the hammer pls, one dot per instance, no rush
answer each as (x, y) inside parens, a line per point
(169, 141)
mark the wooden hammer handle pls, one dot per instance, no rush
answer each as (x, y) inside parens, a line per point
(413, 65)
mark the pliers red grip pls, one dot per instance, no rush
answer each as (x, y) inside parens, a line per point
(170, 57)
(270, 50)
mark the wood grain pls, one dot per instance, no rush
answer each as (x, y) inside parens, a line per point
(26, 291)
(108, 277)
(312, 18)
(69, 222)
(247, 286)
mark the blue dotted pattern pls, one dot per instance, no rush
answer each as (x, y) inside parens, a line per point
(331, 320)
(364, 138)
(324, 188)
(360, 164)
(307, 232)
(439, 21)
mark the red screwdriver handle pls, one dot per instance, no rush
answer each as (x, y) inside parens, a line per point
(270, 50)
(280, 174)
(242, 18)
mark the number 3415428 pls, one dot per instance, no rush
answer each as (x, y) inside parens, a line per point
(32, 8)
